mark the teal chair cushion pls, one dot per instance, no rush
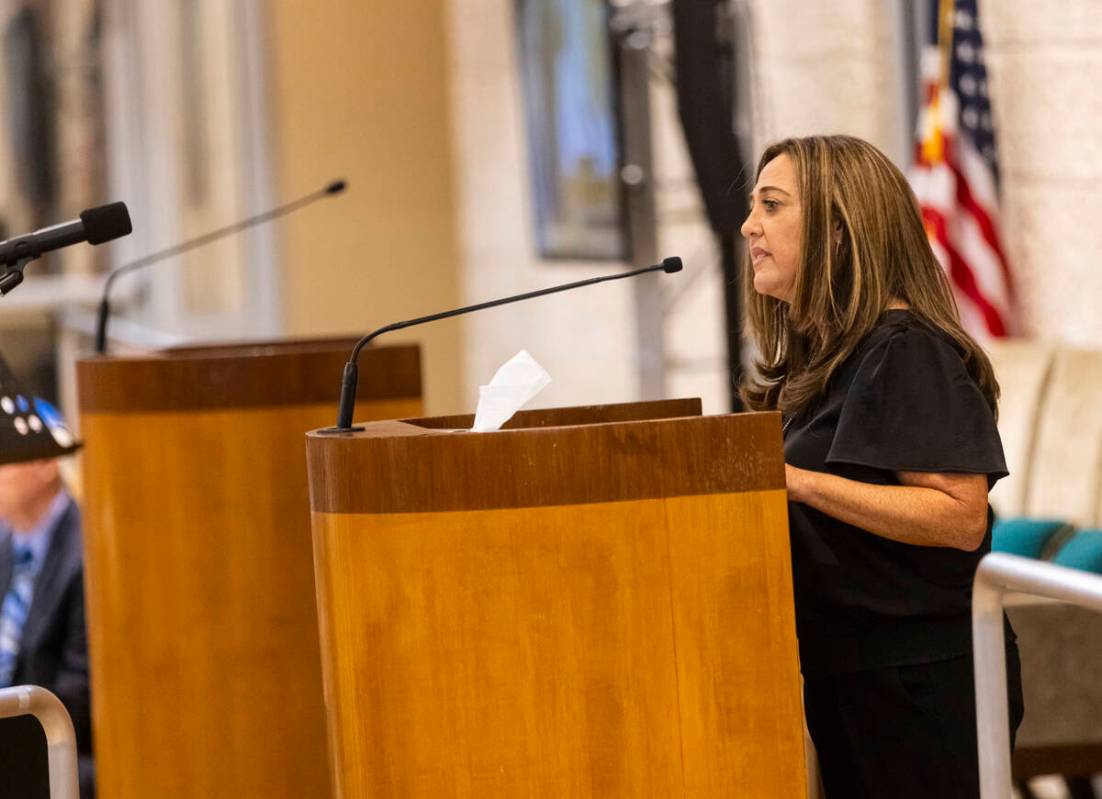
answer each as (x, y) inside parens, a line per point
(1082, 551)
(1023, 536)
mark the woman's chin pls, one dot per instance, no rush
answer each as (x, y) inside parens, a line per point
(766, 287)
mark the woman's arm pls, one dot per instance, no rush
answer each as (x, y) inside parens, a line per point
(929, 509)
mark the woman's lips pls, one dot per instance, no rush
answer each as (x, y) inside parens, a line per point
(757, 254)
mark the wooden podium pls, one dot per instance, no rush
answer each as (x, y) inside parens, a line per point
(595, 603)
(199, 571)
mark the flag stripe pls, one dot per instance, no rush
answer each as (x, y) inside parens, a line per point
(981, 217)
(982, 261)
(961, 274)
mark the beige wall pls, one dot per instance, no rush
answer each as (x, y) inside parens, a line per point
(1044, 63)
(822, 68)
(584, 339)
(359, 89)
(829, 67)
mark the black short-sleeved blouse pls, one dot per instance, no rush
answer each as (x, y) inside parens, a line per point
(903, 401)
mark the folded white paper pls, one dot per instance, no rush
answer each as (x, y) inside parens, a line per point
(516, 382)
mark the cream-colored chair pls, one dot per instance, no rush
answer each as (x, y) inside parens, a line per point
(1066, 469)
(1098, 493)
(1022, 368)
(1061, 645)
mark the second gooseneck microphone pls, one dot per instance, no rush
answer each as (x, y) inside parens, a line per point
(104, 313)
(351, 371)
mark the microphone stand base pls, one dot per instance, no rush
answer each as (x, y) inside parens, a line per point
(333, 431)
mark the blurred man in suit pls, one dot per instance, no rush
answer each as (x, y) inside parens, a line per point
(42, 635)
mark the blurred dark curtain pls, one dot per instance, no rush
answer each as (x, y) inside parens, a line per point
(30, 109)
(705, 69)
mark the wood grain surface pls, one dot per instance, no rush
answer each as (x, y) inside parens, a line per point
(616, 650)
(246, 375)
(201, 603)
(581, 414)
(414, 468)
(639, 642)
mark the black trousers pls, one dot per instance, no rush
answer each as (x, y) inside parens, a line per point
(902, 731)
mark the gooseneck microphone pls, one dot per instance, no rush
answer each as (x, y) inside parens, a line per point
(95, 226)
(351, 371)
(104, 313)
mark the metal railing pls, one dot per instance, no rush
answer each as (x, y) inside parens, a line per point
(997, 574)
(61, 741)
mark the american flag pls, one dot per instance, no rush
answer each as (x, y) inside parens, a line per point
(955, 175)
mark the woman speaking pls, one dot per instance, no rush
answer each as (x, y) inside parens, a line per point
(891, 446)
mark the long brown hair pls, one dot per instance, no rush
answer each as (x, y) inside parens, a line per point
(842, 287)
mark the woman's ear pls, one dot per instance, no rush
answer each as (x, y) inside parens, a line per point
(836, 232)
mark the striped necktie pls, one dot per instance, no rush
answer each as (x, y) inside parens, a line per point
(13, 613)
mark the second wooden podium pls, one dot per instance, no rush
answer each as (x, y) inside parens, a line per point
(199, 572)
(595, 603)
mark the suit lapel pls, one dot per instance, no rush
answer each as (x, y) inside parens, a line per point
(55, 571)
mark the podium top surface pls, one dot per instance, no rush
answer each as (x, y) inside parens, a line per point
(560, 456)
(261, 346)
(244, 374)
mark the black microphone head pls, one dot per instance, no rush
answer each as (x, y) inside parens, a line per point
(337, 186)
(106, 222)
(671, 265)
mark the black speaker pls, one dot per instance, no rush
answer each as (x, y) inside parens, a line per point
(705, 67)
(30, 107)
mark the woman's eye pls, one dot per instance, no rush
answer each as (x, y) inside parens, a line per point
(770, 205)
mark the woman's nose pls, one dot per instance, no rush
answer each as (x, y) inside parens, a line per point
(748, 226)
